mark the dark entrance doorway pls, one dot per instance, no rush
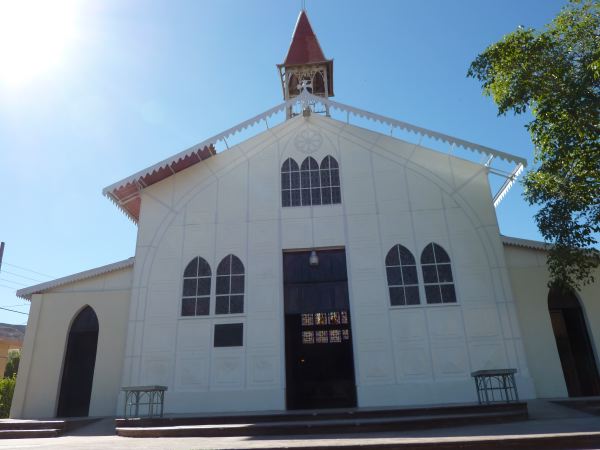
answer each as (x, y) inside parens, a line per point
(318, 341)
(573, 343)
(78, 367)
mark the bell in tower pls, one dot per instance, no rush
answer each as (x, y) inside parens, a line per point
(305, 65)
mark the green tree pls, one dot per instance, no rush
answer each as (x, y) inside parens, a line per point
(7, 389)
(12, 365)
(555, 74)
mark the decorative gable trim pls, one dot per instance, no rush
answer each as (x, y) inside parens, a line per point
(126, 193)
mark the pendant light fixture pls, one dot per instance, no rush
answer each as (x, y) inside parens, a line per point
(313, 260)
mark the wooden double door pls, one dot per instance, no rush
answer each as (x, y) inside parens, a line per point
(318, 334)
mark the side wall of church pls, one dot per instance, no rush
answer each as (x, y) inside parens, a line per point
(529, 277)
(50, 317)
(392, 193)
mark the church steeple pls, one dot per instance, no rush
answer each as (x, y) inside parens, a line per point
(305, 65)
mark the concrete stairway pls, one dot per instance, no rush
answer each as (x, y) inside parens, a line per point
(339, 421)
(24, 429)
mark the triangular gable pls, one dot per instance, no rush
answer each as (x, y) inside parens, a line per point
(126, 193)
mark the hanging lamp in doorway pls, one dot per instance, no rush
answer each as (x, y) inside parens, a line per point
(313, 259)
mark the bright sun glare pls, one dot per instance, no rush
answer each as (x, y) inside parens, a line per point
(34, 37)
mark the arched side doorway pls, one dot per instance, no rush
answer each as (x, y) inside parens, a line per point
(573, 343)
(78, 366)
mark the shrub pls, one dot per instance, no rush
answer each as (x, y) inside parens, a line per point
(7, 388)
(12, 366)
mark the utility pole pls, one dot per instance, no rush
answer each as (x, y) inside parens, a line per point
(1, 253)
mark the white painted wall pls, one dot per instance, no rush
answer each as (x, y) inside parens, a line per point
(50, 317)
(392, 192)
(529, 277)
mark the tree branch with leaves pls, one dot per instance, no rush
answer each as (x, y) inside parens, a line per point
(555, 75)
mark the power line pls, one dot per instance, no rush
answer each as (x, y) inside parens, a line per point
(12, 310)
(22, 276)
(11, 281)
(29, 270)
(8, 287)
(20, 304)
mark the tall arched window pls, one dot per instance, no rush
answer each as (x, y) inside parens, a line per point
(195, 299)
(290, 183)
(437, 275)
(318, 84)
(293, 85)
(330, 181)
(230, 286)
(310, 182)
(403, 283)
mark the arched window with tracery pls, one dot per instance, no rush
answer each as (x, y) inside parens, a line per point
(310, 182)
(290, 183)
(437, 275)
(403, 283)
(230, 286)
(293, 85)
(318, 84)
(195, 300)
(330, 181)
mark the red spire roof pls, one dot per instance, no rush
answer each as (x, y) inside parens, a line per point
(305, 48)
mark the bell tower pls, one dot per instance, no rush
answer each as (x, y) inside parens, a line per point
(305, 65)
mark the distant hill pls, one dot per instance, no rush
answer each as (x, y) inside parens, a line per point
(12, 332)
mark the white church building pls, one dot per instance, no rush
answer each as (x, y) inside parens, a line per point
(318, 263)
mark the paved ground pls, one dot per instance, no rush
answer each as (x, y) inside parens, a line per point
(546, 418)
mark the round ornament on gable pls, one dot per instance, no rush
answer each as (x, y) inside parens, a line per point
(308, 141)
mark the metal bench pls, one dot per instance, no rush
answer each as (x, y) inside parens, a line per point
(496, 386)
(150, 398)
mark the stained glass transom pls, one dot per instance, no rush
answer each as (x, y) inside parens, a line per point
(325, 327)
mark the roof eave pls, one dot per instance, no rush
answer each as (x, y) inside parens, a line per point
(28, 292)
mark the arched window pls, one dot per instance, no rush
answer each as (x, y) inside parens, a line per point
(290, 183)
(293, 85)
(330, 181)
(310, 182)
(195, 299)
(318, 84)
(437, 275)
(403, 283)
(230, 286)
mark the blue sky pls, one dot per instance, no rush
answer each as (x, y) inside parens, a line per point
(138, 81)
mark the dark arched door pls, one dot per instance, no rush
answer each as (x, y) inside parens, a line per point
(78, 367)
(573, 343)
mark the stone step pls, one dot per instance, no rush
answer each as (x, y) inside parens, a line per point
(519, 409)
(555, 441)
(14, 424)
(322, 426)
(29, 434)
